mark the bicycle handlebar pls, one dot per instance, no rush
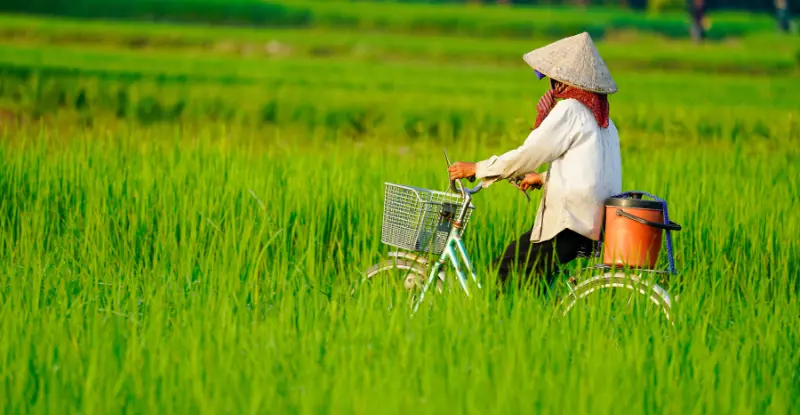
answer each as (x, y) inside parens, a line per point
(459, 187)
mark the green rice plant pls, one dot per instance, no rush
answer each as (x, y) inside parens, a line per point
(164, 269)
(193, 243)
(396, 97)
(651, 52)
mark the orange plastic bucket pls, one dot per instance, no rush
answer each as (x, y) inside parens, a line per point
(633, 231)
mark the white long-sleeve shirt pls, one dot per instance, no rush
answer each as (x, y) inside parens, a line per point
(585, 169)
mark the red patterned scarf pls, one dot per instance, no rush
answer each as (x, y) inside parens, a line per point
(598, 103)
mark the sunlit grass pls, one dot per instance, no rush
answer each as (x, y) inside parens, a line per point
(182, 231)
(152, 271)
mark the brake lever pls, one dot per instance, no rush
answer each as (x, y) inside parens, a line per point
(447, 159)
(516, 181)
(451, 182)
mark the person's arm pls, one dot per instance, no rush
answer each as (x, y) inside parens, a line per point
(547, 143)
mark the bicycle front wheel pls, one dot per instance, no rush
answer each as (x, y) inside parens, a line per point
(633, 288)
(411, 274)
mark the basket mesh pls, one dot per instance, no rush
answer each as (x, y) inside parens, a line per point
(412, 218)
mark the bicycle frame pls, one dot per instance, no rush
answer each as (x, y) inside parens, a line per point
(454, 248)
(455, 253)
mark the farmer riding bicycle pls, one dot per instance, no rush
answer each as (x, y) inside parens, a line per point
(574, 134)
(582, 211)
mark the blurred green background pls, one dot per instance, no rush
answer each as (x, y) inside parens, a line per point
(190, 189)
(360, 67)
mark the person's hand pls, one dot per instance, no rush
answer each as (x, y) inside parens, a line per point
(531, 181)
(461, 170)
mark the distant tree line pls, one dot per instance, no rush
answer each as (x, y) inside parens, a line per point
(286, 13)
(750, 5)
(782, 9)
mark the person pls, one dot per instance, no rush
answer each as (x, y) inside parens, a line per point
(782, 10)
(697, 13)
(575, 136)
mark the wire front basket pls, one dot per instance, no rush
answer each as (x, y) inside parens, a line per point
(418, 219)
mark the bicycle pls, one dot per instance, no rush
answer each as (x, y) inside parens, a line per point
(419, 220)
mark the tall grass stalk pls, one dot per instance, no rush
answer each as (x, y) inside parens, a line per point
(155, 271)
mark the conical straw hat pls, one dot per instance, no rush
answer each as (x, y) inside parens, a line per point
(574, 61)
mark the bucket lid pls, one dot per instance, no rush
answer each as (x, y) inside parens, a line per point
(633, 203)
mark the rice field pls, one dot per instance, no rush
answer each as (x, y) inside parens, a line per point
(182, 229)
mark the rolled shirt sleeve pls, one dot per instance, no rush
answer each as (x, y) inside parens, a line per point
(552, 139)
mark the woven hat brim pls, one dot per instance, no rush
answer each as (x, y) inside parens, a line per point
(574, 61)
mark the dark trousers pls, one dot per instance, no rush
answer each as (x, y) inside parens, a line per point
(537, 262)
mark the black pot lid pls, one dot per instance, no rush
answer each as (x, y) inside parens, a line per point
(633, 203)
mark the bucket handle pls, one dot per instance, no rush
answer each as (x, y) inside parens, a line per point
(671, 226)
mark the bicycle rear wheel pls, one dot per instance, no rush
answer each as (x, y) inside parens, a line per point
(632, 287)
